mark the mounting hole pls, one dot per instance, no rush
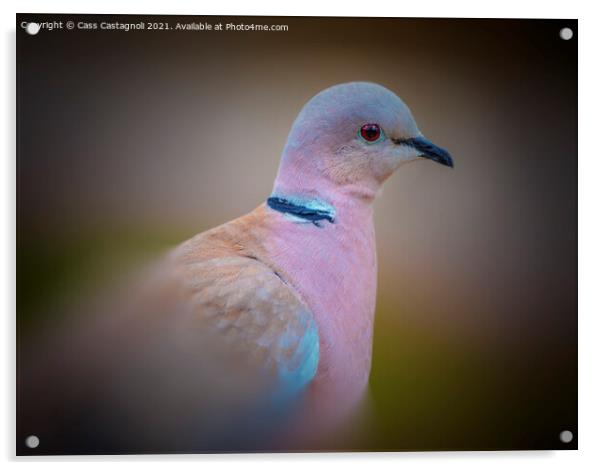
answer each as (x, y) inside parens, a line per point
(566, 437)
(32, 28)
(32, 442)
(566, 33)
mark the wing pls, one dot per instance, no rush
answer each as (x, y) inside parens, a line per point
(253, 314)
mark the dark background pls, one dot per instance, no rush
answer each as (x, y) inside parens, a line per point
(130, 142)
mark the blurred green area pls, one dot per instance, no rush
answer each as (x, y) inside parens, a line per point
(434, 391)
(52, 267)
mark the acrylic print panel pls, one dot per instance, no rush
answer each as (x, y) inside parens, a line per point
(261, 234)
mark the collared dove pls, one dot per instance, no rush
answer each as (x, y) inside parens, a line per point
(255, 335)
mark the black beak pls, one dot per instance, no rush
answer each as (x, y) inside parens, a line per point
(428, 150)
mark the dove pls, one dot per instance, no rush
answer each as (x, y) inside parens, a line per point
(254, 335)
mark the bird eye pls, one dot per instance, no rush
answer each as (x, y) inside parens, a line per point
(370, 132)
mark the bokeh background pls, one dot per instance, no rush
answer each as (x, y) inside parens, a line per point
(130, 142)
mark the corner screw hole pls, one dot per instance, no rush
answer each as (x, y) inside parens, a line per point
(32, 28)
(566, 33)
(32, 441)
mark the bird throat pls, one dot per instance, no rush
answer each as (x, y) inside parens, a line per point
(311, 211)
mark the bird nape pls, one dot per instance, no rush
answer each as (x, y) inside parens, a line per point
(255, 335)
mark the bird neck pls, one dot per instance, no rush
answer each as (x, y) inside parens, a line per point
(302, 190)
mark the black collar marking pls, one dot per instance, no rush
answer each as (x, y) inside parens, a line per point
(287, 207)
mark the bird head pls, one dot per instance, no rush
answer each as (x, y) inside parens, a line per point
(352, 136)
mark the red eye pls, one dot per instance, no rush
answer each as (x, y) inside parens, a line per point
(370, 132)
